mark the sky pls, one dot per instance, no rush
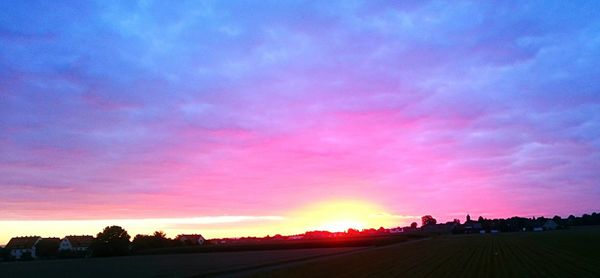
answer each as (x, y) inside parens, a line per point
(234, 118)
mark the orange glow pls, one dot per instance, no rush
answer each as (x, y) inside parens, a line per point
(342, 225)
(337, 216)
(333, 215)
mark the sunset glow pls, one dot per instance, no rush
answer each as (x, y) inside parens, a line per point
(332, 215)
(337, 216)
(203, 117)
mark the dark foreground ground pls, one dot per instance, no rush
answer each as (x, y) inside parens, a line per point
(566, 253)
(176, 265)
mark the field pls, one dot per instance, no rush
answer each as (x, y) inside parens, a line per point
(565, 253)
(176, 265)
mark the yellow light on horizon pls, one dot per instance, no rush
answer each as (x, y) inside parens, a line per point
(340, 215)
(332, 215)
(342, 225)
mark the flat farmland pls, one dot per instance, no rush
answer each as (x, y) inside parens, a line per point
(175, 265)
(565, 253)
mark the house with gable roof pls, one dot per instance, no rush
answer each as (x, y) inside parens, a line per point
(193, 239)
(22, 247)
(77, 244)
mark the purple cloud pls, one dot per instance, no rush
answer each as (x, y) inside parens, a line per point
(140, 109)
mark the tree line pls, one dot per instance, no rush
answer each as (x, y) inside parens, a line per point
(516, 223)
(115, 241)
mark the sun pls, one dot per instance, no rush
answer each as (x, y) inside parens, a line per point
(342, 225)
(339, 215)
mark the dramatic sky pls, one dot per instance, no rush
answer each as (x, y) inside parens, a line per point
(257, 117)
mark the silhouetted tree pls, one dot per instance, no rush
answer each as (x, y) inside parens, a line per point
(353, 232)
(160, 235)
(112, 241)
(558, 220)
(413, 225)
(456, 220)
(427, 220)
(142, 242)
(157, 240)
(480, 219)
(571, 220)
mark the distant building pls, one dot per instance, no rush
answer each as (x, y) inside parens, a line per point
(550, 225)
(76, 243)
(395, 230)
(47, 247)
(21, 247)
(439, 228)
(538, 229)
(409, 229)
(194, 239)
(472, 227)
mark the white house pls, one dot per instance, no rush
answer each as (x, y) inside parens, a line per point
(550, 225)
(194, 239)
(19, 247)
(75, 243)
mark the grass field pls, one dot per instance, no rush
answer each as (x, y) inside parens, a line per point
(174, 265)
(565, 253)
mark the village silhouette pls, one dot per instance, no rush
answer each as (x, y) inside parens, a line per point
(115, 241)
